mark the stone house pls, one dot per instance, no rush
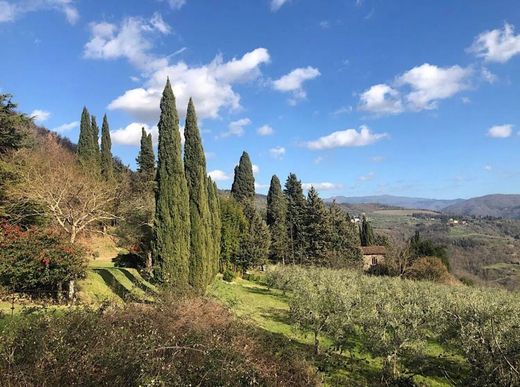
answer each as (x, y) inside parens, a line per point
(373, 256)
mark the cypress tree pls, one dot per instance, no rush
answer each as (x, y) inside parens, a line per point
(345, 238)
(216, 226)
(318, 229)
(276, 220)
(255, 242)
(243, 187)
(86, 150)
(146, 158)
(234, 228)
(171, 245)
(296, 207)
(95, 136)
(366, 233)
(195, 166)
(107, 166)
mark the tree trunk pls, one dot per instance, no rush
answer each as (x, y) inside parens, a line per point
(149, 262)
(71, 290)
(73, 234)
(60, 292)
(316, 343)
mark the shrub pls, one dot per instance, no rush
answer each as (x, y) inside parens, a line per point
(229, 275)
(174, 343)
(37, 260)
(429, 269)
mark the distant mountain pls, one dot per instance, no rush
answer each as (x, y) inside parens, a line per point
(505, 206)
(398, 201)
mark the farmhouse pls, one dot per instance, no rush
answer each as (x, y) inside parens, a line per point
(373, 256)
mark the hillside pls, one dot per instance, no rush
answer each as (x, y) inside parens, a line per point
(398, 201)
(500, 206)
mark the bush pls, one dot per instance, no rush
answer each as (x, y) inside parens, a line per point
(37, 260)
(229, 275)
(429, 269)
(174, 343)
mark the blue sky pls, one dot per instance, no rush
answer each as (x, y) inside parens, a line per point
(358, 97)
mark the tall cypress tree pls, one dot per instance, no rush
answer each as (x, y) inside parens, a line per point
(366, 233)
(216, 225)
(95, 136)
(171, 245)
(200, 218)
(318, 229)
(296, 208)
(86, 150)
(276, 220)
(345, 238)
(243, 187)
(146, 158)
(107, 166)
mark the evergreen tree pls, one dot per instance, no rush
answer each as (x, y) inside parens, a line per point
(296, 208)
(255, 242)
(243, 187)
(216, 226)
(146, 158)
(318, 230)
(87, 150)
(95, 136)
(276, 220)
(171, 245)
(366, 233)
(345, 239)
(107, 166)
(195, 166)
(234, 227)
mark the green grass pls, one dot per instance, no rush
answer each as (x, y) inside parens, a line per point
(269, 310)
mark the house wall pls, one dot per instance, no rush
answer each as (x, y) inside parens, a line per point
(368, 259)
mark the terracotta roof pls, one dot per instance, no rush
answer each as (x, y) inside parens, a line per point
(373, 250)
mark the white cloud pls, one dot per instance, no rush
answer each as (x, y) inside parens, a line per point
(497, 45)
(131, 135)
(131, 40)
(256, 169)
(430, 83)
(377, 159)
(293, 82)
(176, 4)
(369, 176)
(500, 131)
(488, 76)
(66, 127)
(210, 85)
(265, 130)
(325, 186)
(342, 110)
(10, 11)
(218, 175)
(40, 115)
(318, 159)
(277, 4)
(381, 99)
(236, 128)
(277, 152)
(346, 138)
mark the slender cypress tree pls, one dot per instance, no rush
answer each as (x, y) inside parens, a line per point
(296, 208)
(87, 153)
(146, 158)
(95, 136)
(366, 233)
(345, 238)
(276, 220)
(171, 245)
(216, 225)
(318, 229)
(200, 217)
(107, 166)
(243, 187)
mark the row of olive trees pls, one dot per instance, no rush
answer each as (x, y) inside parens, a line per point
(397, 318)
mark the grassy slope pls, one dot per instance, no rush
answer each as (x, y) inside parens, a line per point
(269, 310)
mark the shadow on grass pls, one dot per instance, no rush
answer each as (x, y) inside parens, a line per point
(441, 366)
(266, 292)
(114, 284)
(138, 283)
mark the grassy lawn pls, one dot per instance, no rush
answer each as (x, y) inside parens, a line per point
(268, 309)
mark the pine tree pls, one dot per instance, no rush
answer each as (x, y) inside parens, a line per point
(366, 233)
(87, 150)
(276, 220)
(95, 136)
(345, 239)
(243, 187)
(318, 230)
(296, 208)
(171, 245)
(216, 226)
(200, 217)
(107, 166)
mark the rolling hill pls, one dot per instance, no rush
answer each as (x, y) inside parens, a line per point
(398, 201)
(503, 206)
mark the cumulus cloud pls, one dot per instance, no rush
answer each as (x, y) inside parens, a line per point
(218, 175)
(210, 85)
(277, 4)
(277, 152)
(131, 135)
(40, 115)
(325, 186)
(11, 10)
(256, 169)
(500, 131)
(420, 88)
(66, 127)
(381, 99)
(488, 76)
(236, 128)
(497, 45)
(346, 138)
(176, 4)
(265, 130)
(293, 82)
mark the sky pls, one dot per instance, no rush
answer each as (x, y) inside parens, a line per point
(357, 97)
